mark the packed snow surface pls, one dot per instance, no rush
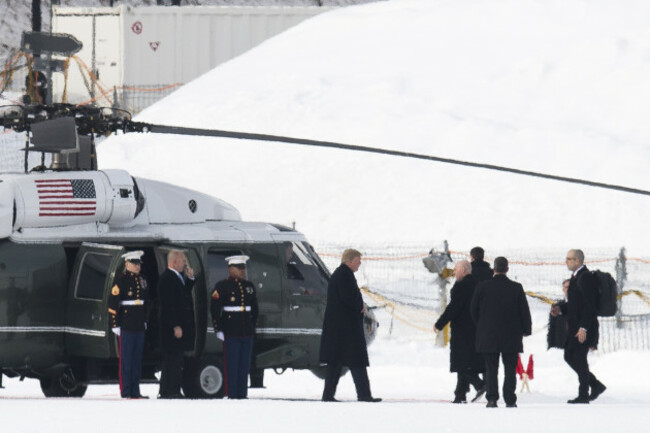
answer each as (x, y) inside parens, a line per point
(411, 375)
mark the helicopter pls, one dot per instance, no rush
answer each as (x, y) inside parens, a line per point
(64, 228)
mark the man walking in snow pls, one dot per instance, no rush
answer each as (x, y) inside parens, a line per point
(463, 358)
(500, 310)
(582, 323)
(343, 341)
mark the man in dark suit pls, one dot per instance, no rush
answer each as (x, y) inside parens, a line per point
(582, 323)
(480, 268)
(462, 356)
(343, 342)
(500, 310)
(177, 321)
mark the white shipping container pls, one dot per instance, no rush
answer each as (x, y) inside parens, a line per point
(132, 49)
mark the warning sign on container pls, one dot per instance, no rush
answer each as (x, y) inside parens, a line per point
(137, 27)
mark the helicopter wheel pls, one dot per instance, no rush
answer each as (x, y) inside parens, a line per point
(63, 385)
(205, 379)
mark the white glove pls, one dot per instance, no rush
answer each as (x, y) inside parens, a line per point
(220, 335)
(116, 331)
(145, 326)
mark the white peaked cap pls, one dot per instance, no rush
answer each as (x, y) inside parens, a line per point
(237, 260)
(133, 255)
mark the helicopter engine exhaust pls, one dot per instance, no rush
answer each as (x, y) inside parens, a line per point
(68, 198)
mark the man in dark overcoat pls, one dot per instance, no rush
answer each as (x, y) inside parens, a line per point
(177, 321)
(582, 323)
(464, 360)
(500, 310)
(343, 341)
(481, 269)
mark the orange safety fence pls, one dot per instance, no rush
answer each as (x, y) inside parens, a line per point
(512, 262)
(86, 73)
(380, 258)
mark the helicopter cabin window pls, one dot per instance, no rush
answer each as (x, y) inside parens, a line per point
(217, 266)
(92, 275)
(304, 275)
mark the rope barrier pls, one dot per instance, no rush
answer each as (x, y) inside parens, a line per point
(410, 316)
(638, 293)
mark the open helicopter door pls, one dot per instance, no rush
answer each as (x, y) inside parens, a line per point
(305, 292)
(87, 326)
(199, 294)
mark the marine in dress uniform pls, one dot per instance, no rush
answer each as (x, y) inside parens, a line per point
(127, 309)
(234, 315)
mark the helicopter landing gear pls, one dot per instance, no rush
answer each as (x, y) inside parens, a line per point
(205, 379)
(257, 378)
(63, 385)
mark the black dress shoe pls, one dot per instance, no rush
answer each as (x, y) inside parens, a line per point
(596, 390)
(479, 393)
(459, 400)
(579, 400)
(332, 399)
(491, 403)
(140, 397)
(511, 404)
(370, 399)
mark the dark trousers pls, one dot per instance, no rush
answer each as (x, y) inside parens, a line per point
(359, 376)
(510, 376)
(131, 345)
(575, 354)
(463, 381)
(171, 374)
(238, 352)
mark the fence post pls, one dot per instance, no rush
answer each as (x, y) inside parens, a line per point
(621, 277)
(442, 286)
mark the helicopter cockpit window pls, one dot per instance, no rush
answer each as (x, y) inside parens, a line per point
(303, 272)
(218, 267)
(92, 276)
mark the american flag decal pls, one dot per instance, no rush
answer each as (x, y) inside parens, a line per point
(66, 197)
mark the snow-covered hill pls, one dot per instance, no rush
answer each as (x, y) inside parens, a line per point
(550, 86)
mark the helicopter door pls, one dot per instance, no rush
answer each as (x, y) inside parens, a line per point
(199, 294)
(87, 326)
(305, 292)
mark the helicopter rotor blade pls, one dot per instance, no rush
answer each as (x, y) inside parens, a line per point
(100, 120)
(163, 129)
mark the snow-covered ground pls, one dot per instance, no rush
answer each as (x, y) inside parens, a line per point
(407, 370)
